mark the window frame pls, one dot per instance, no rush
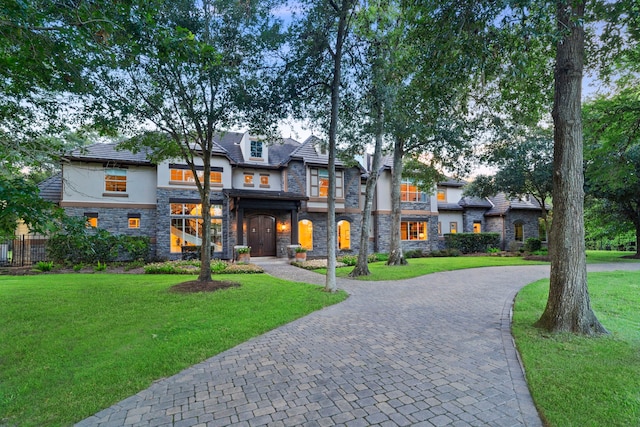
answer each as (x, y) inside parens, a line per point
(256, 149)
(115, 180)
(320, 190)
(179, 210)
(410, 231)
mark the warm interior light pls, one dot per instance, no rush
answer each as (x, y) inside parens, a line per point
(283, 227)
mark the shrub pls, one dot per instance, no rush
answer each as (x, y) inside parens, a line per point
(102, 266)
(44, 266)
(445, 253)
(193, 267)
(532, 244)
(74, 243)
(413, 253)
(379, 257)
(349, 260)
(472, 242)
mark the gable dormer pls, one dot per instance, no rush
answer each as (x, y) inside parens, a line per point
(254, 149)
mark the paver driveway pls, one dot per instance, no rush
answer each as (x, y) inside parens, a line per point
(434, 350)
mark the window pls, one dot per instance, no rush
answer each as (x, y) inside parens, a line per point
(442, 196)
(115, 180)
(264, 180)
(413, 230)
(134, 220)
(305, 234)
(409, 192)
(542, 230)
(248, 180)
(256, 148)
(92, 219)
(453, 227)
(519, 232)
(320, 183)
(477, 227)
(439, 228)
(344, 235)
(186, 226)
(183, 174)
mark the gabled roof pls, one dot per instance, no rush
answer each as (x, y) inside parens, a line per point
(51, 188)
(449, 207)
(475, 202)
(501, 204)
(109, 153)
(308, 154)
(451, 182)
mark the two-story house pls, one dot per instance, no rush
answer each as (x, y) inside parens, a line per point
(267, 196)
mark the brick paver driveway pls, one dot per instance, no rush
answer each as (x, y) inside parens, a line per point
(431, 351)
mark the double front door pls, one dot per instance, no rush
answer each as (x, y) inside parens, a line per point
(261, 235)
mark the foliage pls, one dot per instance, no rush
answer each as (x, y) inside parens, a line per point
(524, 160)
(127, 331)
(243, 249)
(472, 242)
(449, 252)
(612, 154)
(532, 244)
(192, 267)
(349, 260)
(75, 243)
(577, 380)
(44, 266)
(101, 266)
(300, 250)
(413, 253)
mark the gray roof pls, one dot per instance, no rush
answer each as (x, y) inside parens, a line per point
(449, 207)
(307, 152)
(109, 153)
(475, 202)
(51, 188)
(451, 182)
(501, 204)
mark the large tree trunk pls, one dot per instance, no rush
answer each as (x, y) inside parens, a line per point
(396, 257)
(205, 198)
(362, 266)
(568, 306)
(330, 285)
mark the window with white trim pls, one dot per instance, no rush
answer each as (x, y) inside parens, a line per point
(413, 230)
(319, 185)
(187, 226)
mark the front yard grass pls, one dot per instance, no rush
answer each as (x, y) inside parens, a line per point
(421, 266)
(578, 381)
(73, 344)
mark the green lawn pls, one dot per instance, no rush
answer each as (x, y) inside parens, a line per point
(577, 381)
(73, 344)
(421, 266)
(600, 257)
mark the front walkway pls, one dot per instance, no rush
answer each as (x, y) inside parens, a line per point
(432, 351)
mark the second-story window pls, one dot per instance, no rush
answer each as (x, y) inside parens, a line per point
(115, 180)
(409, 192)
(248, 180)
(264, 180)
(182, 174)
(442, 196)
(320, 183)
(256, 149)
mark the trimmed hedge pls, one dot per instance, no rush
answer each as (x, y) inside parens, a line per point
(472, 242)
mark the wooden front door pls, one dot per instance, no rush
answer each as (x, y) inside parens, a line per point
(261, 230)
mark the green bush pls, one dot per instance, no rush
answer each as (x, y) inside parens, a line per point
(44, 266)
(472, 242)
(74, 244)
(445, 253)
(532, 244)
(193, 267)
(414, 253)
(350, 260)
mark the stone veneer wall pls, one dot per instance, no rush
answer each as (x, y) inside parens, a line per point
(163, 223)
(471, 215)
(383, 233)
(529, 220)
(116, 221)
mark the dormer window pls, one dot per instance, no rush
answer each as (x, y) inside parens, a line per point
(256, 149)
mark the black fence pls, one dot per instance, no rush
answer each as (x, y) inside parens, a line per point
(22, 251)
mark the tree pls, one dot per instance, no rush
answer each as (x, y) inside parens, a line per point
(612, 155)
(568, 306)
(524, 165)
(316, 84)
(188, 70)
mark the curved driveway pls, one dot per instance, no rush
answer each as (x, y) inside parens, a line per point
(434, 350)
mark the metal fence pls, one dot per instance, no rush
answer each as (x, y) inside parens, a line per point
(22, 251)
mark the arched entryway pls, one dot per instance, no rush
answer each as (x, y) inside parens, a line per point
(261, 235)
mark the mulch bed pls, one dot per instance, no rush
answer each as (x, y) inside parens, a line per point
(194, 286)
